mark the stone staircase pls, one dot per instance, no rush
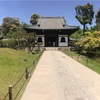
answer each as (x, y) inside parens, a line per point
(51, 49)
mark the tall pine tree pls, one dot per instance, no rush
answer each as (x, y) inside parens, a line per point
(84, 14)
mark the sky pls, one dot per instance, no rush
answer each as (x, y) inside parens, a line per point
(24, 9)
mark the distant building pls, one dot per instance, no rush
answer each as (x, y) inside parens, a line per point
(52, 31)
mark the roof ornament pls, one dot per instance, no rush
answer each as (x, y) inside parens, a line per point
(62, 22)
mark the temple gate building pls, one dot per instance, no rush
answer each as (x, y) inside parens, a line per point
(52, 31)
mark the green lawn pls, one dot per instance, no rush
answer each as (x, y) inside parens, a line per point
(91, 62)
(12, 66)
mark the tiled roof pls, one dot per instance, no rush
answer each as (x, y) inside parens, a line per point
(51, 23)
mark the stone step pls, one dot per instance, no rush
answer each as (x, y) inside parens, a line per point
(51, 49)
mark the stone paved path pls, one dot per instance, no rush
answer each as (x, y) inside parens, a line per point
(59, 77)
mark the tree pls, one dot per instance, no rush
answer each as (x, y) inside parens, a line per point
(77, 35)
(98, 20)
(18, 35)
(23, 25)
(97, 26)
(34, 19)
(98, 17)
(90, 41)
(10, 23)
(30, 38)
(1, 35)
(23, 38)
(85, 14)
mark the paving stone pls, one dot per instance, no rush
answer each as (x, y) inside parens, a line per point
(70, 83)
(66, 92)
(83, 96)
(80, 99)
(71, 97)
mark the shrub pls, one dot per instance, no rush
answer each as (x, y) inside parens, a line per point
(8, 43)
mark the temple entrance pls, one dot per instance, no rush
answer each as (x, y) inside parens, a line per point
(51, 41)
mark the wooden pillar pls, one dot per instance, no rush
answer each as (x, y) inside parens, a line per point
(68, 40)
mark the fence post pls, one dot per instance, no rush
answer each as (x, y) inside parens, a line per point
(10, 92)
(26, 73)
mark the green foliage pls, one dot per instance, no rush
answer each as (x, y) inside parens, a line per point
(0, 28)
(98, 20)
(97, 26)
(84, 14)
(91, 62)
(98, 17)
(34, 19)
(10, 24)
(1, 35)
(12, 43)
(18, 36)
(30, 37)
(23, 25)
(11, 28)
(8, 43)
(22, 38)
(77, 35)
(90, 42)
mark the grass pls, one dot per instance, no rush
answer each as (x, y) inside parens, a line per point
(12, 65)
(91, 62)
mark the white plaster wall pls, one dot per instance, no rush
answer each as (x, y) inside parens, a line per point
(63, 43)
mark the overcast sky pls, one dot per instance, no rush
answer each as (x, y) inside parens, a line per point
(23, 9)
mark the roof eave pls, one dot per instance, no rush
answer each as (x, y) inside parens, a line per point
(70, 28)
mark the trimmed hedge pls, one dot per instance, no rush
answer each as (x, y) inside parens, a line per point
(12, 43)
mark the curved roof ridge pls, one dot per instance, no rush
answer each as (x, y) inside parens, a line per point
(51, 17)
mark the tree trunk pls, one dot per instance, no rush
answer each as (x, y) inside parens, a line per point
(84, 28)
